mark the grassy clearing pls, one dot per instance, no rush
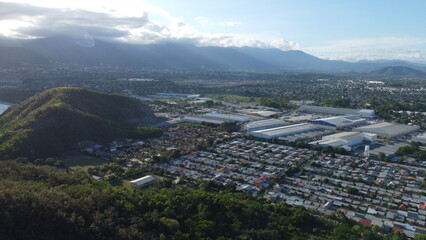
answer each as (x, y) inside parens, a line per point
(82, 162)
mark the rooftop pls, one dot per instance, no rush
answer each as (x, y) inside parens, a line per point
(289, 129)
(387, 129)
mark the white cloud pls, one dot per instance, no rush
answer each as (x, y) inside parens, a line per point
(233, 24)
(117, 22)
(371, 49)
(201, 20)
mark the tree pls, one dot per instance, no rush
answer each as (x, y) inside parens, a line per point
(382, 156)
(420, 237)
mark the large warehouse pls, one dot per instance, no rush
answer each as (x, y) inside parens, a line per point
(338, 122)
(226, 117)
(388, 130)
(215, 118)
(263, 124)
(199, 120)
(345, 139)
(271, 133)
(177, 95)
(337, 111)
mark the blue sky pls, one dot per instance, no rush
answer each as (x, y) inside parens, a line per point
(332, 29)
(355, 28)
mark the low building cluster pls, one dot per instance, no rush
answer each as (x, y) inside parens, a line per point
(369, 191)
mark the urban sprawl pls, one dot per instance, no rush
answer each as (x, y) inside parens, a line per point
(322, 158)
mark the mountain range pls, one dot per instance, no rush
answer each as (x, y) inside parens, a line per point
(172, 55)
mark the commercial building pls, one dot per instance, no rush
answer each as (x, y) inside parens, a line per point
(421, 138)
(271, 133)
(345, 139)
(388, 130)
(226, 117)
(264, 124)
(143, 181)
(388, 149)
(200, 120)
(215, 118)
(338, 122)
(307, 136)
(337, 111)
(177, 95)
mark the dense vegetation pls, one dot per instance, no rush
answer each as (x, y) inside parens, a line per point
(412, 150)
(53, 121)
(40, 202)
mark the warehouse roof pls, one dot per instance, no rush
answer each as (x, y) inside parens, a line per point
(284, 130)
(226, 117)
(143, 180)
(387, 129)
(336, 111)
(344, 135)
(421, 138)
(200, 119)
(339, 121)
(264, 123)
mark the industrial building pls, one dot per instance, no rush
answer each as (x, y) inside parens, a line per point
(226, 117)
(388, 130)
(177, 95)
(306, 136)
(421, 138)
(271, 133)
(143, 181)
(338, 122)
(346, 140)
(337, 111)
(215, 118)
(260, 112)
(388, 149)
(200, 120)
(264, 124)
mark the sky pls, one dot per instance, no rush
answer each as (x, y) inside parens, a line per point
(330, 29)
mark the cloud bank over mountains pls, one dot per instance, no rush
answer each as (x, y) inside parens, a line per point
(20, 20)
(136, 22)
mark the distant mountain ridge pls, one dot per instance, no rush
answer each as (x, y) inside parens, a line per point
(399, 71)
(67, 50)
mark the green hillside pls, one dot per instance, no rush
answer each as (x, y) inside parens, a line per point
(53, 121)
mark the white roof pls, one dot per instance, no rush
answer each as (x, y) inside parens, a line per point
(264, 123)
(143, 180)
(201, 119)
(340, 121)
(421, 138)
(330, 142)
(387, 129)
(336, 111)
(226, 117)
(284, 130)
(344, 135)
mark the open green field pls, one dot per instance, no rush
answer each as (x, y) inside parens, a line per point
(82, 162)
(232, 97)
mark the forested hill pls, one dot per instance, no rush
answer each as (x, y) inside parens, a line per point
(40, 202)
(55, 120)
(401, 71)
